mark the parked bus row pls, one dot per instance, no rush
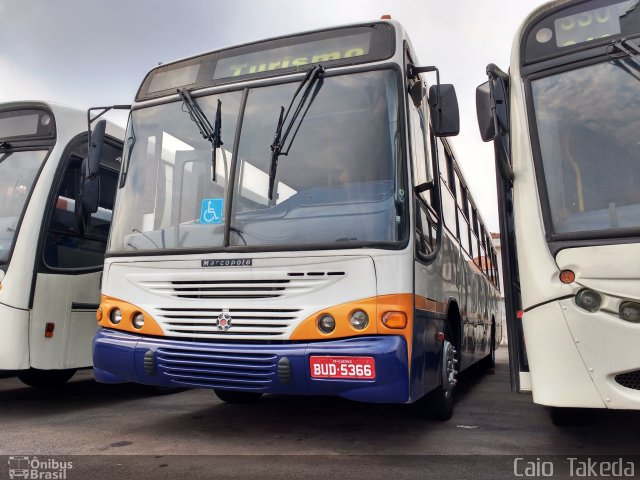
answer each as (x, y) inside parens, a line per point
(290, 218)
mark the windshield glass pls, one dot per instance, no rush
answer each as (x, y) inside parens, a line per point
(589, 133)
(169, 174)
(18, 171)
(337, 182)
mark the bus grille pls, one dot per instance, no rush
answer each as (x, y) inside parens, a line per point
(245, 322)
(217, 369)
(629, 379)
(222, 285)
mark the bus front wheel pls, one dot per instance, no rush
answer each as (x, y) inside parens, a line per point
(231, 396)
(438, 404)
(46, 378)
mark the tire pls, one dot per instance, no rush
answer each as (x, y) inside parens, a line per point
(46, 378)
(238, 398)
(489, 361)
(438, 404)
(563, 416)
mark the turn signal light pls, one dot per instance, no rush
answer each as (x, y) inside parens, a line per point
(395, 320)
(567, 276)
(385, 17)
(99, 314)
(48, 330)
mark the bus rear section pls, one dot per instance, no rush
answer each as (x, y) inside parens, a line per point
(50, 264)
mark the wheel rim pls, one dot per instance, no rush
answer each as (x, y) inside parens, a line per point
(449, 370)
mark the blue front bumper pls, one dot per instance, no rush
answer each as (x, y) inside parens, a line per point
(277, 368)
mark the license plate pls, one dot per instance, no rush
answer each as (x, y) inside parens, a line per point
(350, 368)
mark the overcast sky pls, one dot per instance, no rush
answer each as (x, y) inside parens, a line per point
(96, 52)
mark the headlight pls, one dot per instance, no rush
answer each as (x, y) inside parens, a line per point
(359, 320)
(630, 311)
(326, 323)
(115, 316)
(588, 299)
(138, 320)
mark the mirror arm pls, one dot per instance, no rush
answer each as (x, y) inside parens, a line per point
(423, 187)
(495, 71)
(103, 110)
(414, 72)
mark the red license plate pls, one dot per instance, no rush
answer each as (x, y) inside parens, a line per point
(354, 368)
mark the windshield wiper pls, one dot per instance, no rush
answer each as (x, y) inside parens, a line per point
(208, 132)
(314, 77)
(630, 60)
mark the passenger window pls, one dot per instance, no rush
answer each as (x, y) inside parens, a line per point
(65, 247)
(421, 170)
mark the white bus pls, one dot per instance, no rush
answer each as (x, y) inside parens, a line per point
(565, 125)
(288, 222)
(51, 254)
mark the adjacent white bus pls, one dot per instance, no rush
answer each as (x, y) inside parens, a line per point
(566, 130)
(288, 221)
(51, 253)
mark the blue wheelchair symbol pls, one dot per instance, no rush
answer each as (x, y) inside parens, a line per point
(211, 210)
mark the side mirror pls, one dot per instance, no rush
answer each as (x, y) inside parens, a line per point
(95, 149)
(443, 108)
(492, 96)
(485, 113)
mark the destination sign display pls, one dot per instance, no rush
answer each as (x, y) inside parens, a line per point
(336, 47)
(23, 123)
(598, 21)
(294, 56)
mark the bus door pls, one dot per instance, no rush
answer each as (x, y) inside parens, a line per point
(492, 104)
(67, 286)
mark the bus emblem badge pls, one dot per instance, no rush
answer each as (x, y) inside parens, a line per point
(224, 321)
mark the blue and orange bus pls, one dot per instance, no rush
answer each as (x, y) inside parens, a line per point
(291, 219)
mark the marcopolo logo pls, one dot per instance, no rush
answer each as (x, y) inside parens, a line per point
(228, 262)
(38, 469)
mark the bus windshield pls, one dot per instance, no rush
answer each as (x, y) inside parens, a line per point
(18, 172)
(336, 184)
(589, 139)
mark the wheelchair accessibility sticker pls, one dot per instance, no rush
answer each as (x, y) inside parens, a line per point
(211, 210)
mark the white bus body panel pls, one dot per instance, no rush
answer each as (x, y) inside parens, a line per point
(558, 375)
(149, 282)
(55, 296)
(539, 273)
(612, 270)
(14, 338)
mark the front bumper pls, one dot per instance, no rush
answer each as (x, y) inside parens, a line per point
(269, 368)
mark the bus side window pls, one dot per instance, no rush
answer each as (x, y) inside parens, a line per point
(426, 219)
(448, 198)
(65, 247)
